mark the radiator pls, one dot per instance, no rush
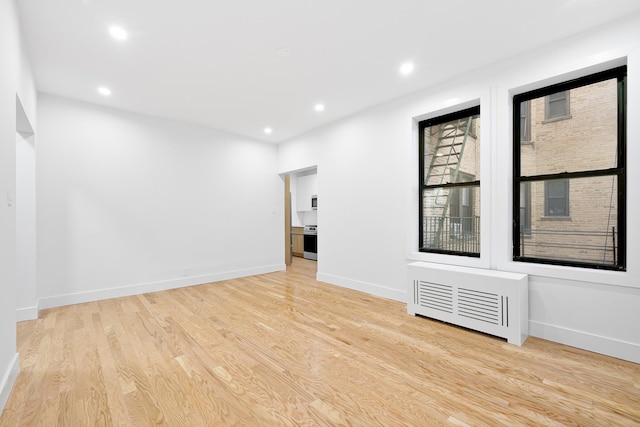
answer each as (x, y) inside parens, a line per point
(489, 301)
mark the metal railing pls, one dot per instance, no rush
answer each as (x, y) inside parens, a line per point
(590, 246)
(456, 234)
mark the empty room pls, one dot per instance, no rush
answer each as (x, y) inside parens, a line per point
(288, 213)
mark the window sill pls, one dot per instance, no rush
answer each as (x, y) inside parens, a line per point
(556, 119)
(573, 274)
(463, 261)
(555, 218)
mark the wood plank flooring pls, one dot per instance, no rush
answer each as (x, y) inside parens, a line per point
(282, 349)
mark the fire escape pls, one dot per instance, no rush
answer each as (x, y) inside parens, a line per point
(445, 168)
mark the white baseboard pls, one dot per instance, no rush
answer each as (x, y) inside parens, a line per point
(8, 379)
(123, 291)
(369, 288)
(586, 341)
(27, 313)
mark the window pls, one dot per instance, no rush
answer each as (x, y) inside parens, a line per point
(449, 190)
(556, 197)
(557, 105)
(569, 192)
(525, 121)
(525, 208)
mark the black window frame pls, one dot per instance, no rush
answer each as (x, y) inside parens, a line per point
(619, 171)
(467, 112)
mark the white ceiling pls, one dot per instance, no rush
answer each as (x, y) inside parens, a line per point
(215, 63)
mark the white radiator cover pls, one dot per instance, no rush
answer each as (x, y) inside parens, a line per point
(489, 301)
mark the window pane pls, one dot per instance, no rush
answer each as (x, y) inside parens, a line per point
(525, 121)
(525, 207)
(451, 219)
(586, 141)
(557, 105)
(556, 188)
(450, 214)
(452, 151)
(557, 109)
(557, 207)
(587, 235)
(557, 197)
(569, 202)
(558, 96)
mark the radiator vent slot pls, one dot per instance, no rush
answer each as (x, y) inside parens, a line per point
(489, 301)
(482, 306)
(435, 296)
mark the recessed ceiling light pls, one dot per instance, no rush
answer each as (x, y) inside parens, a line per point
(118, 33)
(268, 130)
(319, 107)
(406, 68)
(105, 91)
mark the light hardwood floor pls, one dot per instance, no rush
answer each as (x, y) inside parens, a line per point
(283, 349)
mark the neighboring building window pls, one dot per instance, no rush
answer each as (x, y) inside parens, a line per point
(449, 191)
(570, 191)
(557, 105)
(525, 208)
(525, 121)
(461, 208)
(556, 197)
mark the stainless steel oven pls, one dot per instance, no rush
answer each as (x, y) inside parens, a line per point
(310, 234)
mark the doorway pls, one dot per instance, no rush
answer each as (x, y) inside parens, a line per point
(301, 211)
(25, 205)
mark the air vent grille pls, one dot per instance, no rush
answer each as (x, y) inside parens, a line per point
(482, 306)
(435, 296)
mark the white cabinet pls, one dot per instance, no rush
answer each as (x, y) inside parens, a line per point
(307, 187)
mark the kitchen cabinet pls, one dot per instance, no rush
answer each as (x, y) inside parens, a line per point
(307, 187)
(297, 240)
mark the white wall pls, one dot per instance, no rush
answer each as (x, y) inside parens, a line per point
(128, 204)
(27, 299)
(369, 186)
(16, 80)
